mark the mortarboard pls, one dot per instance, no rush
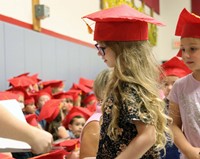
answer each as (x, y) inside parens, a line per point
(63, 95)
(74, 93)
(70, 144)
(175, 67)
(29, 99)
(52, 83)
(35, 78)
(6, 95)
(32, 119)
(89, 98)
(188, 25)
(81, 87)
(76, 111)
(50, 110)
(45, 91)
(92, 107)
(121, 23)
(21, 81)
(86, 82)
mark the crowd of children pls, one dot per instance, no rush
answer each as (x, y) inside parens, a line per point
(125, 113)
(47, 106)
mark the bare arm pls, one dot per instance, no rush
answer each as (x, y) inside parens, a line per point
(13, 128)
(179, 138)
(62, 132)
(144, 140)
(90, 140)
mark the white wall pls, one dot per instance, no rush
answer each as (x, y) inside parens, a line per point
(65, 18)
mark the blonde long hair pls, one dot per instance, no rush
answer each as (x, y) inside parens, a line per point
(136, 64)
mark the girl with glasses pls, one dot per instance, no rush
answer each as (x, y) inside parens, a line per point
(134, 124)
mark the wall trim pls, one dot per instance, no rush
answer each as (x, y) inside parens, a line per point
(44, 31)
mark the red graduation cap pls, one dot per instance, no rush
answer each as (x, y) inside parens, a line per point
(18, 90)
(6, 95)
(70, 145)
(63, 95)
(35, 78)
(52, 83)
(74, 93)
(29, 99)
(86, 82)
(55, 154)
(92, 107)
(89, 98)
(76, 111)
(121, 23)
(188, 25)
(175, 67)
(50, 110)
(21, 81)
(81, 87)
(45, 91)
(32, 119)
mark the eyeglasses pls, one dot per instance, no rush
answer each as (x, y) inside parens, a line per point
(100, 49)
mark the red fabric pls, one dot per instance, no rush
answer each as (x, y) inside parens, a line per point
(188, 25)
(70, 145)
(80, 87)
(92, 107)
(89, 98)
(50, 110)
(45, 91)
(8, 95)
(63, 95)
(76, 111)
(175, 67)
(87, 82)
(32, 119)
(52, 83)
(121, 23)
(21, 81)
(29, 99)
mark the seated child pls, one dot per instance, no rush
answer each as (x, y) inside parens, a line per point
(75, 121)
(52, 113)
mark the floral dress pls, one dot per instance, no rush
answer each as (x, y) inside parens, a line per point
(129, 111)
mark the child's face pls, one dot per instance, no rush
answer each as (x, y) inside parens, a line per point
(109, 58)
(42, 100)
(77, 126)
(191, 53)
(30, 108)
(67, 105)
(167, 84)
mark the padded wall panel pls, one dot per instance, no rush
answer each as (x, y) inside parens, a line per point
(3, 82)
(32, 53)
(24, 50)
(14, 50)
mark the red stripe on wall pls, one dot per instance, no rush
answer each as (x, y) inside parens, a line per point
(44, 31)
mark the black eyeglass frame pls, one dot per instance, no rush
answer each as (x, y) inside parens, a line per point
(100, 49)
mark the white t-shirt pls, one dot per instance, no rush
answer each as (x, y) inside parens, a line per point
(186, 94)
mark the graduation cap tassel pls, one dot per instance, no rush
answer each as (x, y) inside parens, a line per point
(90, 31)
